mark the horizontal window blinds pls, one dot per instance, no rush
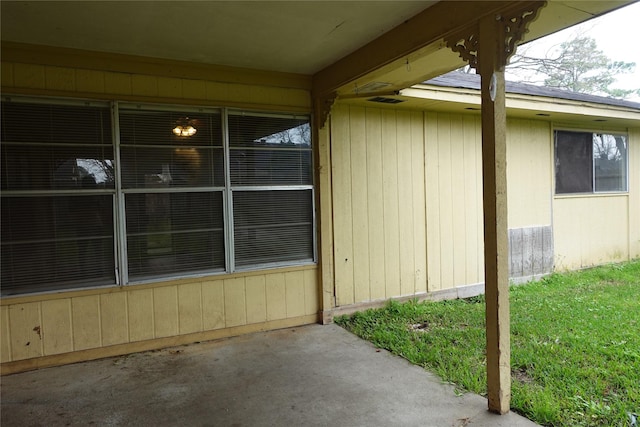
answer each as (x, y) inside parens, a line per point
(176, 192)
(153, 155)
(272, 226)
(58, 197)
(174, 161)
(267, 150)
(171, 233)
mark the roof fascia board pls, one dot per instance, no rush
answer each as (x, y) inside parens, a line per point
(523, 102)
(428, 27)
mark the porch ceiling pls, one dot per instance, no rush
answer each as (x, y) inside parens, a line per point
(308, 38)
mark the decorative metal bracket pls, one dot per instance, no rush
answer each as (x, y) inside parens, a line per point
(513, 26)
(323, 108)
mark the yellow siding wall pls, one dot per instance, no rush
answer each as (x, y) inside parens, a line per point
(377, 161)
(49, 325)
(590, 230)
(54, 80)
(56, 324)
(596, 229)
(529, 173)
(454, 200)
(634, 193)
(407, 198)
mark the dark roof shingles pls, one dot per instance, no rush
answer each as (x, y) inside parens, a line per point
(457, 79)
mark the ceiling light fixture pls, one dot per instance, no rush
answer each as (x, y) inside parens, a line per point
(185, 127)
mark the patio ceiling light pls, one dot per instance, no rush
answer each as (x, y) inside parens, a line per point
(185, 127)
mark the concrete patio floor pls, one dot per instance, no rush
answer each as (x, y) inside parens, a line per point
(308, 376)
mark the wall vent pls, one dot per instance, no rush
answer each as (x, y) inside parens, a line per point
(385, 100)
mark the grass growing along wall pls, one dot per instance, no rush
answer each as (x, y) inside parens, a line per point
(575, 344)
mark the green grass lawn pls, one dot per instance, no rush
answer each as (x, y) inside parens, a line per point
(575, 344)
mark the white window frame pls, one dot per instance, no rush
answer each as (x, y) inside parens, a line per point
(593, 191)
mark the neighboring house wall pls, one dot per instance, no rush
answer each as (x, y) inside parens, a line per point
(407, 198)
(54, 328)
(594, 229)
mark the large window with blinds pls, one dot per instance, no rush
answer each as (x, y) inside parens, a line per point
(100, 194)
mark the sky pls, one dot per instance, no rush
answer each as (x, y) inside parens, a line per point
(615, 33)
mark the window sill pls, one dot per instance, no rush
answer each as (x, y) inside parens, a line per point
(590, 195)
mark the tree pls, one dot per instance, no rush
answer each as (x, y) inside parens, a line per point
(578, 66)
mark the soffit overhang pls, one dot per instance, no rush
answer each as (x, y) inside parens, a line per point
(339, 47)
(450, 100)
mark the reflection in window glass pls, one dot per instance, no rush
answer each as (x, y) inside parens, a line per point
(58, 182)
(589, 162)
(268, 150)
(610, 162)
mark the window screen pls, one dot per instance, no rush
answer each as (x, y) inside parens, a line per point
(57, 197)
(590, 162)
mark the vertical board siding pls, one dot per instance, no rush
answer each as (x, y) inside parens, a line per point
(6, 75)
(90, 81)
(190, 308)
(256, 299)
(458, 215)
(60, 78)
(31, 76)
(390, 206)
(127, 315)
(311, 292)
(634, 192)
(379, 203)
(419, 202)
(85, 312)
(57, 335)
(113, 318)
(276, 297)
(453, 200)
(213, 316)
(405, 204)
(294, 293)
(529, 170)
(165, 311)
(590, 230)
(5, 334)
(473, 199)
(359, 203)
(342, 216)
(432, 184)
(375, 203)
(25, 326)
(235, 302)
(87, 81)
(140, 314)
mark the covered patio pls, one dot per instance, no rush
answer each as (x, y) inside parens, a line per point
(308, 376)
(294, 57)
